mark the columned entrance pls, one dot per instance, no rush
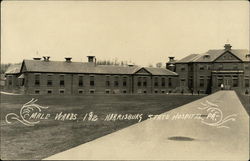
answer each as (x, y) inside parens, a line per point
(226, 79)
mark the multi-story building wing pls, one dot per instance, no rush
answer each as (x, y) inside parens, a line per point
(67, 77)
(205, 73)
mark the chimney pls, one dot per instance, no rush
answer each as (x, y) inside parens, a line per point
(171, 58)
(36, 58)
(171, 64)
(46, 58)
(91, 59)
(68, 59)
(227, 47)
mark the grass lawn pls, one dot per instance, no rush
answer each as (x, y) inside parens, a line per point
(245, 100)
(52, 136)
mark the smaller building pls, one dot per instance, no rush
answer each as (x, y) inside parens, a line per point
(12, 83)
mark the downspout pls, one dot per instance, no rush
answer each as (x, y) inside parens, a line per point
(132, 85)
(71, 83)
(151, 77)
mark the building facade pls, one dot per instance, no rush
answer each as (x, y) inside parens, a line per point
(216, 69)
(196, 73)
(66, 77)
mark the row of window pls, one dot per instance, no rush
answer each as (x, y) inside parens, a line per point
(80, 81)
(107, 91)
(232, 82)
(141, 81)
(208, 67)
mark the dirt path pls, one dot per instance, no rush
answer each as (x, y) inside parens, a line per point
(7, 93)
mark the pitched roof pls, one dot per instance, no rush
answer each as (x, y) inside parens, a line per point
(13, 69)
(80, 67)
(187, 59)
(160, 71)
(214, 54)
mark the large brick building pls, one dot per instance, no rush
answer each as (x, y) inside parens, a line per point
(67, 77)
(196, 73)
(208, 72)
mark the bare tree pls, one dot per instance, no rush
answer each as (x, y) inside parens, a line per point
(150, 65)
(159, 65)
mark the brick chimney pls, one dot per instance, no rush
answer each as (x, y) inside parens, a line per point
(170, 65)
(68, 59)
(91, 59)
(171, 58)
(46, 58)
(227, 47)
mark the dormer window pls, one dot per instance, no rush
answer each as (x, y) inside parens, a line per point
(206, 56)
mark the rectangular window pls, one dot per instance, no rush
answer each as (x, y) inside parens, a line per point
(139, 81)
(49, 91)
(124, 82)
(107, 81)
(235, 82)
(220, 66)
(145, 81)
(80, 91)
(124, 91)
(170, 82)
(246, 66)
(116, 82)
(246, 83)
(10, 80)
(156, 81)
(107, 91)
(92, 91)
(208, 67)
(37, 80)
(80, 81)
(183, 82)
(61, 91)
(190, 82)
(163, 82)
(61, 80)
(92, 81)
(202, 67)
(37, 91)
(201, 82)
(49, 80)
(182, 68)
(22, 82)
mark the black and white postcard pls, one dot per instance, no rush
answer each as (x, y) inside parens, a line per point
(124, 80)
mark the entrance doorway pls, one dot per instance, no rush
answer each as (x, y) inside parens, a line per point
(227, 83)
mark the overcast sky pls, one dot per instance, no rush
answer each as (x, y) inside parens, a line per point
(142, 32)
